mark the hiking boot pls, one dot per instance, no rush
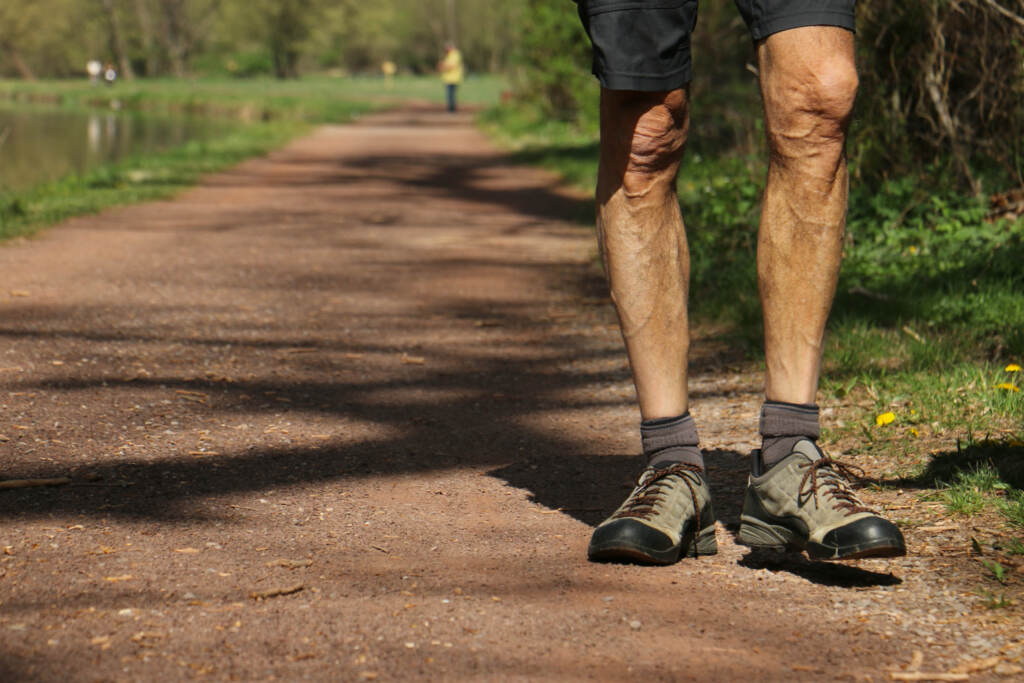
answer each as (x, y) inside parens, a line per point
(668, 515)
(804, 503)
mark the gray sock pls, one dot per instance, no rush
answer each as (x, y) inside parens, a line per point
(671, 440)
(782, 426)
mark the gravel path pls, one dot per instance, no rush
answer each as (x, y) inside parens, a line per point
(351, 411)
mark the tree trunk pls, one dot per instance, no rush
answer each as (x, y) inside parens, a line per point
(116, 42)
(452, 27)
(279, 66)
(146, 34)
(936, 86)
(19, 63)
(175, 37)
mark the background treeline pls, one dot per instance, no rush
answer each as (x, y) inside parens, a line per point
(942, 81)
(55, 38)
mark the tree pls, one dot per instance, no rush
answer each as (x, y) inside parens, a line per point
(553, 60)
(115, 38)
(144, 19)
(47, 37)
(182, 25)
(942, 80)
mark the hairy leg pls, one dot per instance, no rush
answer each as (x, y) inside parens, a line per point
(808, 84)
(643, 242)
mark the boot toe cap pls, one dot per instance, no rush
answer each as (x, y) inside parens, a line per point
(868, 536)
(629, 537)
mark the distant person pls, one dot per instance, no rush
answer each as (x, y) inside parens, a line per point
(94, 69)
(389, 69)
(452, 72)
(109, 74)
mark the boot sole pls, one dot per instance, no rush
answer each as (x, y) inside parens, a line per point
(704, 544)
(755, 533)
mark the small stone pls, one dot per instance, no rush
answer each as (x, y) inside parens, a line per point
(635, 625)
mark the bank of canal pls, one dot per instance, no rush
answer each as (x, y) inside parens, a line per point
(42, 145)
(68, 149)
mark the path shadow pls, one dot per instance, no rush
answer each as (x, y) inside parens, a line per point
(590, 488)
(1005, 459)
(821, 573)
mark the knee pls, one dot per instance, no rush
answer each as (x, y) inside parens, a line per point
(648, 134)
(808, 114)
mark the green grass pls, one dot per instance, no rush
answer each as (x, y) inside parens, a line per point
(1012, 507)
(998, 570)
(993, 601)
(928, 317)
(971, 489)
(315, 99)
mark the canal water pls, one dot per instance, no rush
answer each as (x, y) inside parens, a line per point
(39, 145)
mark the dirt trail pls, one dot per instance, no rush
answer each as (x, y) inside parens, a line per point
(378, 369)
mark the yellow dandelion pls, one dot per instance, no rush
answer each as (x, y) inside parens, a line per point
(1007, 386)
(885, 418)
(1012, 367)
(914, 432)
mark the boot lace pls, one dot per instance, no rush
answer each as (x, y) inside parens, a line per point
(652, 491)
(827, 475)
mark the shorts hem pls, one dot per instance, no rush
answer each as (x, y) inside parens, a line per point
(763, 29)
(645, 83)
(622, 5)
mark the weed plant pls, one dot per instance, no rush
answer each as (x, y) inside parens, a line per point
(993, 601)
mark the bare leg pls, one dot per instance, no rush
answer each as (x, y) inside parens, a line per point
(669, 513)
(643, 242)
(808, 84)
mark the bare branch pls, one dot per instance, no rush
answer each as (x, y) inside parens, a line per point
(1005, 12)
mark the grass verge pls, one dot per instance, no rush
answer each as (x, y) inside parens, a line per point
(138, 179)
(266, 117)
(315, 99)
(927, 332)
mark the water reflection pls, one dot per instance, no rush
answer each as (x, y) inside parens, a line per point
(47, 144)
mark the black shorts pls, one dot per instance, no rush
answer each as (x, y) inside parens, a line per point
(645, 44)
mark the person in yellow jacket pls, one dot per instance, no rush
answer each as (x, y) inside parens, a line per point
(452, 72)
